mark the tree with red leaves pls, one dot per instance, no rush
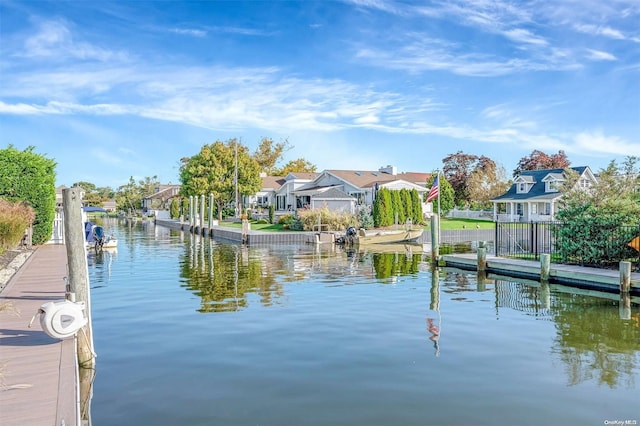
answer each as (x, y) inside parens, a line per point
(538, 160)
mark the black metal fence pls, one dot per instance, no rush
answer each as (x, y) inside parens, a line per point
(527, 240)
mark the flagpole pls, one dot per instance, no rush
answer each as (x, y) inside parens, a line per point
(439, 217)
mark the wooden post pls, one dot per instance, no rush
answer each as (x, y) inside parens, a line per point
(191, 212)
(545, 266)
(78, 269)
(435, 242)
(625, 277)
(210, 212)
(201, 230)
(482, 259)
(245, 230)
(195, 214)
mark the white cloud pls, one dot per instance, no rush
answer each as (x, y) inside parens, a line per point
(189, 32)
(598, 55)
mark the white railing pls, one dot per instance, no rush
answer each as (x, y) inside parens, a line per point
(471, 214)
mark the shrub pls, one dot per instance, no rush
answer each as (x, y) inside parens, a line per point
(174, 209)
(262, 221)
(286, 219)
(272, 212)
(14, 219)
(27, 176)
(365, 218)
(334, 221)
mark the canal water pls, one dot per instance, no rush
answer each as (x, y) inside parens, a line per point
(191, 331)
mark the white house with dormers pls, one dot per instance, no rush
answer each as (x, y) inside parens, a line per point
(534, 195)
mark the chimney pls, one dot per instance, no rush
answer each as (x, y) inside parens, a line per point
(391, 170)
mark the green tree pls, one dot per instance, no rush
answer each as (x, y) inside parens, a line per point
(447, 194)
(269, 153)
(299, 165)
(486, 182)
(416, 207)
(213, 171)
(383, 208)
(592, 217)
(174, 208)
(28, 176)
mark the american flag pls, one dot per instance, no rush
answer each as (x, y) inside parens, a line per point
(435, 189)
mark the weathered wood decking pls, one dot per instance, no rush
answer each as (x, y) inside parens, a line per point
(578, 276)
(38, 378)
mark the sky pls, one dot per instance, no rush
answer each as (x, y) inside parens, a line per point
(118, 89)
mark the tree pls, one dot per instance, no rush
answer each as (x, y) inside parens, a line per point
(538, 160)
(456, 169)
(592, 217)
(447, 195)
(213, 171)
(268, 154)
(28, 176)
(486, 182)
(416, 207)
(94, 196)
(299, 165)
(174, 208)
(383, 208)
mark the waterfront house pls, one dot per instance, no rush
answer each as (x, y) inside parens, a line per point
(161, 197)
(339, 190)
(534, 195)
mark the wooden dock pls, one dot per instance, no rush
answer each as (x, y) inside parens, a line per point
(38, 381)
(571, 275)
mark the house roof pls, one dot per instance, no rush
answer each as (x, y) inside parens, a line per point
(368, 178)
(272, 182)
(332, 193)
(537, 191)
(166, 191)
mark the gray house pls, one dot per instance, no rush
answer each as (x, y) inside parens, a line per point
(534, 195)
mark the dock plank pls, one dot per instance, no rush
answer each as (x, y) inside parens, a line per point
(606, 278)
(39, 375)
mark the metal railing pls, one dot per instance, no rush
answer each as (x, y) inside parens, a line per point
(527, 240)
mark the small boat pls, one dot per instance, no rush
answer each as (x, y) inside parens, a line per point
(96, 238)
(381, 236)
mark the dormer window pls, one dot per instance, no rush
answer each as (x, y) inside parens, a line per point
(522, 188)
(551, 186)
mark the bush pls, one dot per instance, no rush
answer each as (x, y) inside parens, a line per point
(27, 176)
(174, 209)
(272, 212)
(262, 221)
(286, 219)
(334, 221)
(365, 218)
(14, 219)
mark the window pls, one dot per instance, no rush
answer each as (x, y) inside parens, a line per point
(522, 188)
(584, 183)
(552, 186)
(359, 196)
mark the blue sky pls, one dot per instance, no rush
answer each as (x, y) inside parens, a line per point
(118, 89)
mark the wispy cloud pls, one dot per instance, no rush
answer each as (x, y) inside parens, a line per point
(599, 30)
(53, 39)
(599, 55)
(189, 32)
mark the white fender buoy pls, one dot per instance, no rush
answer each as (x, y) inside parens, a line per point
(62, 318)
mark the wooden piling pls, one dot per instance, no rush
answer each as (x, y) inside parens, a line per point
(545, 266)
(78, 269)
(201, 230)
(191, 213)
(482, 259)
(210, 212)
(625, 277)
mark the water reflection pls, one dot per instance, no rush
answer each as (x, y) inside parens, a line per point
(225, 276)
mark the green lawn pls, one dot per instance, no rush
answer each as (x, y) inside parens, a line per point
(458, 224)
(254, 226)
